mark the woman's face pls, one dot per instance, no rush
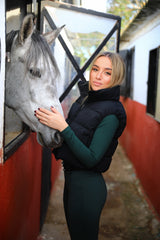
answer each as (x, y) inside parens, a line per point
(100, 74)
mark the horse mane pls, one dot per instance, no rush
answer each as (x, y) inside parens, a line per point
(9, 39)
(39, 46)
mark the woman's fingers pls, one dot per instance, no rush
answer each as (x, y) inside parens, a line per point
(51, 118)
(41, 118)
(42, 115)
(54, 110)
(43, 110)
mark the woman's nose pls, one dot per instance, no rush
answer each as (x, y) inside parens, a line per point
(99, 75)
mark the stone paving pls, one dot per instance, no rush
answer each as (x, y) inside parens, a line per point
(126, 215)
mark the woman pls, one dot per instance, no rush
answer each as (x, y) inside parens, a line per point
(94, 124)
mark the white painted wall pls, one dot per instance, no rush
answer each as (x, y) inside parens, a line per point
(2, 71)
(144, 40)
(100, 5)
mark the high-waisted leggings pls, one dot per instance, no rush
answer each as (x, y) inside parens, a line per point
(84, 198)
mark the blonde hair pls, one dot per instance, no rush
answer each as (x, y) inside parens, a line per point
(118, 68)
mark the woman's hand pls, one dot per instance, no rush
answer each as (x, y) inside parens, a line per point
(51, 118)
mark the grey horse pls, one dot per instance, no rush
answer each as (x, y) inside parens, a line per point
(31, 77)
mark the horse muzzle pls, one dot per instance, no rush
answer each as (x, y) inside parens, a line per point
(53, 141)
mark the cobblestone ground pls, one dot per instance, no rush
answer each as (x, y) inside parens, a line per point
(126, 215)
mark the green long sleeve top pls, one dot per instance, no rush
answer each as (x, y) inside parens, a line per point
(90, 156)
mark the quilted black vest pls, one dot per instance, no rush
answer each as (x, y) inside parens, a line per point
(84, 117)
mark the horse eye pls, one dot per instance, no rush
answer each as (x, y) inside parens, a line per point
(21, 59)
(35, 72)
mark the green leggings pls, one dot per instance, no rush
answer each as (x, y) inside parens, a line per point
(84, 198)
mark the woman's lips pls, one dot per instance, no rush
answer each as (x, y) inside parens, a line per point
(97, 84)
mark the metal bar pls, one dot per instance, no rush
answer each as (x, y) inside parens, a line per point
(84, 10)
(118, 35)
(68, 89)
(100, 47)
(69, 54)
(15, 143)
(38, 15)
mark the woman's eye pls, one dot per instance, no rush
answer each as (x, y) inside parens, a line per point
(108, 73)
(35, 72)
(94, 69)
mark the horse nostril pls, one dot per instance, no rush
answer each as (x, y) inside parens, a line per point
(57, 139)
(53, 142)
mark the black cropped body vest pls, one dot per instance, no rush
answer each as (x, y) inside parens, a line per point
(84, 117)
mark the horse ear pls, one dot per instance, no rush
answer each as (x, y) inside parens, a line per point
(27, 27)
(51, 36)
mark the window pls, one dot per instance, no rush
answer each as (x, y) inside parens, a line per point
(127, 85)
(153, 94)
(86, 33)
(15, 131)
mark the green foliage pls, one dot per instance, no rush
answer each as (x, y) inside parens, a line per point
(85, 44)
(126, 9)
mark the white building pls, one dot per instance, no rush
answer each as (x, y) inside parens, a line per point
(140, 46)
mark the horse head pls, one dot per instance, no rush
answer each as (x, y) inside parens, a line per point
(31, 77)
